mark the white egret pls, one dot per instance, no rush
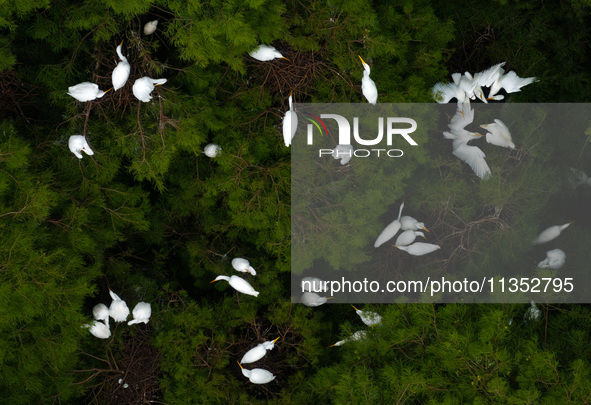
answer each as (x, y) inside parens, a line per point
(489, 76)
(499, 134)
(408, 223)
(408, 237)
(257, 375)
(357, 336)
(419, 248)
(77, 144)
(532, 313)
(343, 152)
(550, 233)
(474, 157)
(389, 231)
(144, 86)
(555, 259)
(141, 313)
(468, 84)
(86, 91)
(100, 312)
(367, 317)
(121, 72)
(150, 27)
(118, 309)
(99, 330)
(265, 53)
(464, 116)
(444, 92)
(212, 150)
(368, 86)
(311, 299)
(243, 266)
(239, 284)
(258, 352)
(510, 82)
(313, 284)
(290, 123)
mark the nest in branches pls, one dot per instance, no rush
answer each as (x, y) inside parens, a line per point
(134, 378)
(16, 97)
(296, 74)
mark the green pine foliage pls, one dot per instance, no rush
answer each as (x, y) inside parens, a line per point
(153, 218)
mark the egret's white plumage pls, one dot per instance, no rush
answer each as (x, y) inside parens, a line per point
(550, 233)
(510, 82)
(144, 86)
(311, 299)
(118, 309)
(357, 336)
(86, 91)
(474, 157)
(77, 144)
(100, 312)
(239, 284)
(258, 352)
(555, 259)
(99, 330)
(368, 86)
(243, 266)
(290, 123)
(489, 76)
(141, 313)
(498, 134)
(257, 375)
(150, 27)
(532, 313)
(367, 317)
(419, 248)
(408, 237)
(212, 150)
(389, 231)
(265, 53)
(312, 284)
(343, 152)
(444, 92)
(121, 72)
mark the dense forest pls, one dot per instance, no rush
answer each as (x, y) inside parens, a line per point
(153, 218)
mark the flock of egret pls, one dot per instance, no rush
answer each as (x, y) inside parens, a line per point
(119, 311)
(238, 283)
(555, 258)
(87, 91)
(257, 375)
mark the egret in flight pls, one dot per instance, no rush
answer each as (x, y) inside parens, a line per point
(555, 259)
(257, 375)
(141, 313)
(389, 231)
(510, 82)
(550, 233)
(86, 91)
(265, 53)
(367, 317)
(77, 144)
(498, 134)
(419, 248)
(290, 123)
(144, 86)
(258, 352)
(118, 309)
(243, 266)
(239, 284)
(121, 72)
(368, 86)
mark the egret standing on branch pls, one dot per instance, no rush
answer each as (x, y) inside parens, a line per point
(121, 72)
(550, 233)
(243, 266)
(144, 86)
(257, 375)
(258, 352)
(368, 86)
(86, 91)
(389, 231)
(118, 309)
(141, 313)
(239, 284)
(77, 144)
(367, 317)
(290, 123)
